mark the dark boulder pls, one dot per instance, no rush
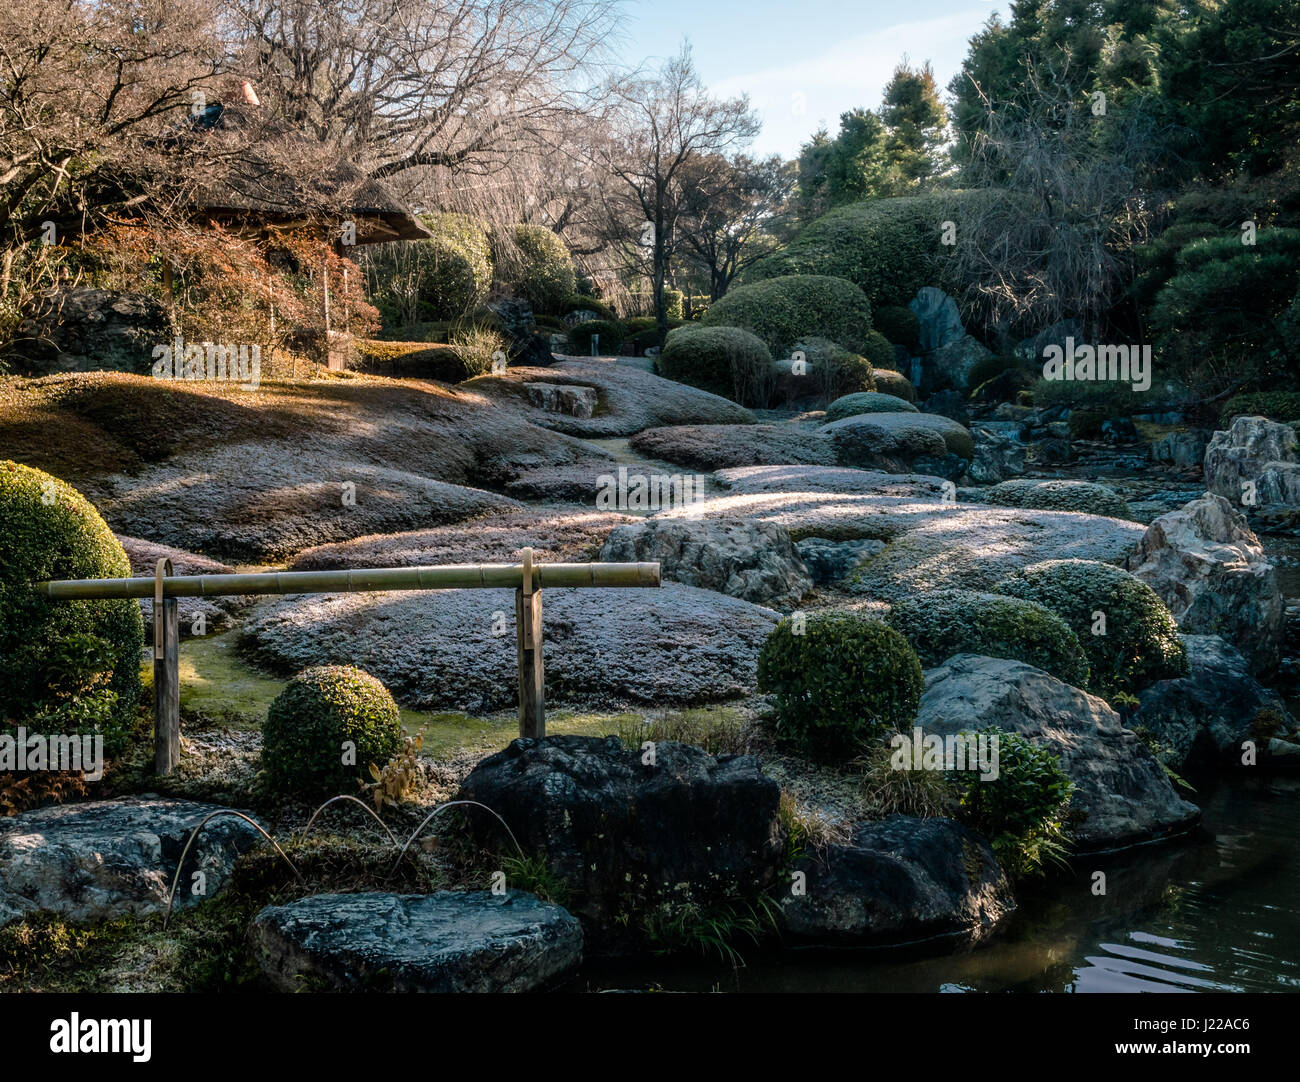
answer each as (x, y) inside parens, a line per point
(88, 330)
(524, 345)
(450, 941)
(632, 832)
(898, 881)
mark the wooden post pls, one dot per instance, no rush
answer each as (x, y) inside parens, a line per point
(166, 674)
(528, 636)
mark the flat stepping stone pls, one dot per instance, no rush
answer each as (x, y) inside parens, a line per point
(450, 941)
(109, 858)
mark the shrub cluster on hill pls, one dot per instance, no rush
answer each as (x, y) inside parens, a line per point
(783, 310)
(726, 361)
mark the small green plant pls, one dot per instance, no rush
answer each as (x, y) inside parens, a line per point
(838, 680)
(395, 781)
(717, 730)
(672, 927)
(886, 791)
(533, 874)
(1021, 810)
(475, 347)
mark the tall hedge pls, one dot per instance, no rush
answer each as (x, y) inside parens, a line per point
(65, 666)
(541, 269)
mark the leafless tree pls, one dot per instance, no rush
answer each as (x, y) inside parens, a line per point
(732, 212)
(656, 126)
(1065, 200)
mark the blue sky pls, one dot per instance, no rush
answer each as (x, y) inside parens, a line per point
(803, 63)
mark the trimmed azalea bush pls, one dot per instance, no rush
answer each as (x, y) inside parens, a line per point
(1021, 811)
(325, 730)
(65, 666)
(1082, 496)
(838, 680)
(888, 247)
(837, 370)
(899, 325)
(610, 339)
(890, 382)
(948, 622)
(850, 405)
(722, 360)
(1127, 632)
(580, 302)
(783, 310)
(877, 350)
(540, 268)
(442, 277)
(1280, 406)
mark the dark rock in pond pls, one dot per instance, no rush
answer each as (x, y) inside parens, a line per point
(632, 836)
(450, 941)
(1119, 430)
(831, 561)
(998, 457)
(1204, 718)
(1183, 450)
(900, 881)
(1052, 452)
(1121, 796)
(950, 404)
(109, 858)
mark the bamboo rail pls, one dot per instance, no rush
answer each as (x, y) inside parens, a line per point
(526, 578)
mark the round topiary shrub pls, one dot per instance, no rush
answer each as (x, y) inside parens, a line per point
(610, 339)
(326, 728)
(890, 382)
(866, 402)
(541, 269)
(580, 302)
(721, 360)
(65, 666)
(899, 325)
(948, 622)
(877, 350)
(838, 680)
(783, 310)
(1128, 634)
(1081, 496)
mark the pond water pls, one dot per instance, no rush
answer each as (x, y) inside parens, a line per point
(1217, 911)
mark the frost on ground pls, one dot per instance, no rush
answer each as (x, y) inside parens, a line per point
(455, 649)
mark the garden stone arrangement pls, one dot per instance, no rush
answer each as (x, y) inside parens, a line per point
(500, 598)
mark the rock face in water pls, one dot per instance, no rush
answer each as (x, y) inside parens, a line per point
(451, 941)
(899, 881)
(1259, 452)
(756, 561)
(1204, 718)
(631, 838)
(109, 858)
(998, 457)
(1121, 791)
(1210, 569)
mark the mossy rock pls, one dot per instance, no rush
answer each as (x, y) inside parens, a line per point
(948, 622)
(326, 729)
(1127, 632)
(1084, 497)
(65, 666)
(867, 402)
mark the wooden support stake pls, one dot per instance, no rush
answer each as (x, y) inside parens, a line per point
(528, 636)
(166, 674)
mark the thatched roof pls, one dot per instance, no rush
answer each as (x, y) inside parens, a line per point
(273, 174)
